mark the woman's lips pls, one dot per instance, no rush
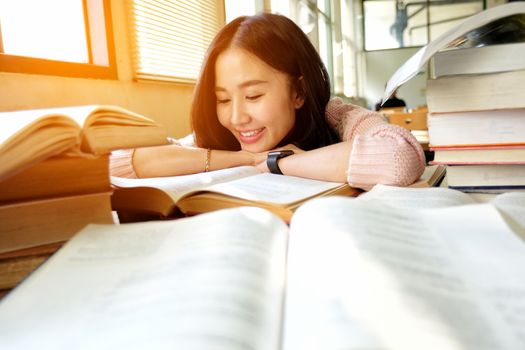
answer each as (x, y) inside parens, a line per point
(251, 136)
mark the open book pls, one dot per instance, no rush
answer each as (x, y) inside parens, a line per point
(29, 136)
(453, 37)
(226, 188)
(346, 274)
(510, 204)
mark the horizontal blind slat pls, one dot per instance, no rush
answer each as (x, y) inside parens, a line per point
(170, 38)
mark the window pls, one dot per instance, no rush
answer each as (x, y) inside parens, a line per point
(70, 38)
(390, 24)
(314, 18)
(236, 8)
(170, 39)
(330, 26)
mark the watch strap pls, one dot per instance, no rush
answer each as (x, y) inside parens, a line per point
(273, 158)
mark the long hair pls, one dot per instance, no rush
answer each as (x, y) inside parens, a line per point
(281, 44)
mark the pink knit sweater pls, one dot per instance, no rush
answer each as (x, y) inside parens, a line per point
(382, 153)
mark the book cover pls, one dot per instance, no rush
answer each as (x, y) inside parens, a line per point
(479, 155)
(57, 177)
(32, 223)
(496, 178)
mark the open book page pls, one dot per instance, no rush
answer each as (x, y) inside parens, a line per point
(512, 207)
(178, 186)
(511, 204)
(365, 275)
(272, 188)
(214, 281)
(432, 176)
(407, 197)
(415, 63)
(25, 122)
(17, 129)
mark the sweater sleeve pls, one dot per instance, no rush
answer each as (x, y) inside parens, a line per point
(381, 153)
(121, 161)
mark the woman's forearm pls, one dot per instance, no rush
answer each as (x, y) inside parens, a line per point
(172, 160)
(328, 163)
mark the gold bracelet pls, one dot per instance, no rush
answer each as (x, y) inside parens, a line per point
(208, 156)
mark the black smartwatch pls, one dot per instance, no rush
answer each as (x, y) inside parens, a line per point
(273, 158)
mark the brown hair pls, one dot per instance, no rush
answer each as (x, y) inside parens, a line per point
(281, 44)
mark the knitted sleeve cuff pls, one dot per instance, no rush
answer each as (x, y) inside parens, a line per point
(121, 163)
(388, 155)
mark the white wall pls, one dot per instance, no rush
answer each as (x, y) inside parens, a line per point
(380, 65)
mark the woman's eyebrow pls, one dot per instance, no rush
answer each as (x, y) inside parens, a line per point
(245, 84)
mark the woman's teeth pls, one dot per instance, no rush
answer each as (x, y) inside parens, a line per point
(250, 133)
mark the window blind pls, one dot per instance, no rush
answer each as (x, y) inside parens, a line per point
(170, 38)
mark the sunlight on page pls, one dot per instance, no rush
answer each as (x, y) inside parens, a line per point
(274, 188)
(183, 183)
(406, 197)
(210, 282)
(366, 296)
(512, 207)
(371, 276)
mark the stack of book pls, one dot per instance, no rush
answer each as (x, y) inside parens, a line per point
(54, 177)
(476, 121)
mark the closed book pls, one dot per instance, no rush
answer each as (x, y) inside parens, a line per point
(479, 60)
(486, 178)
(14, 270)
(490, 127)
(476, 92)
(480, 155)
(18, 264)
(57, 177)
(33, 223)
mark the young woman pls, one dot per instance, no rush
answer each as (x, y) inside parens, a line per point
(263, 87)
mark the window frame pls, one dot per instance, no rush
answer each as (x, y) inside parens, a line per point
(97, 51)
(427, 26)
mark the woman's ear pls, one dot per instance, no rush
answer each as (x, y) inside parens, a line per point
(299, 101)
(299, 93)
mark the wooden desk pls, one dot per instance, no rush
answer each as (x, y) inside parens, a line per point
(409, 120)
(415, 121)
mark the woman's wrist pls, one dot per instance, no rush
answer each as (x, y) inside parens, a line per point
(244, 158)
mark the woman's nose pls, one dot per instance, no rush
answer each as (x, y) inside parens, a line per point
(239, 114)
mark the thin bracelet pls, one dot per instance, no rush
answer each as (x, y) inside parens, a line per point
(208, 156)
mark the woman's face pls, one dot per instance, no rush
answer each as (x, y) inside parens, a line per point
(254, 101)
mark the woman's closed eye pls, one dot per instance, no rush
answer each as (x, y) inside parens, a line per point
(254, 97)
(223, 100)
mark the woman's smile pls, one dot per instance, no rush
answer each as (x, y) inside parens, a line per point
(251, 136)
